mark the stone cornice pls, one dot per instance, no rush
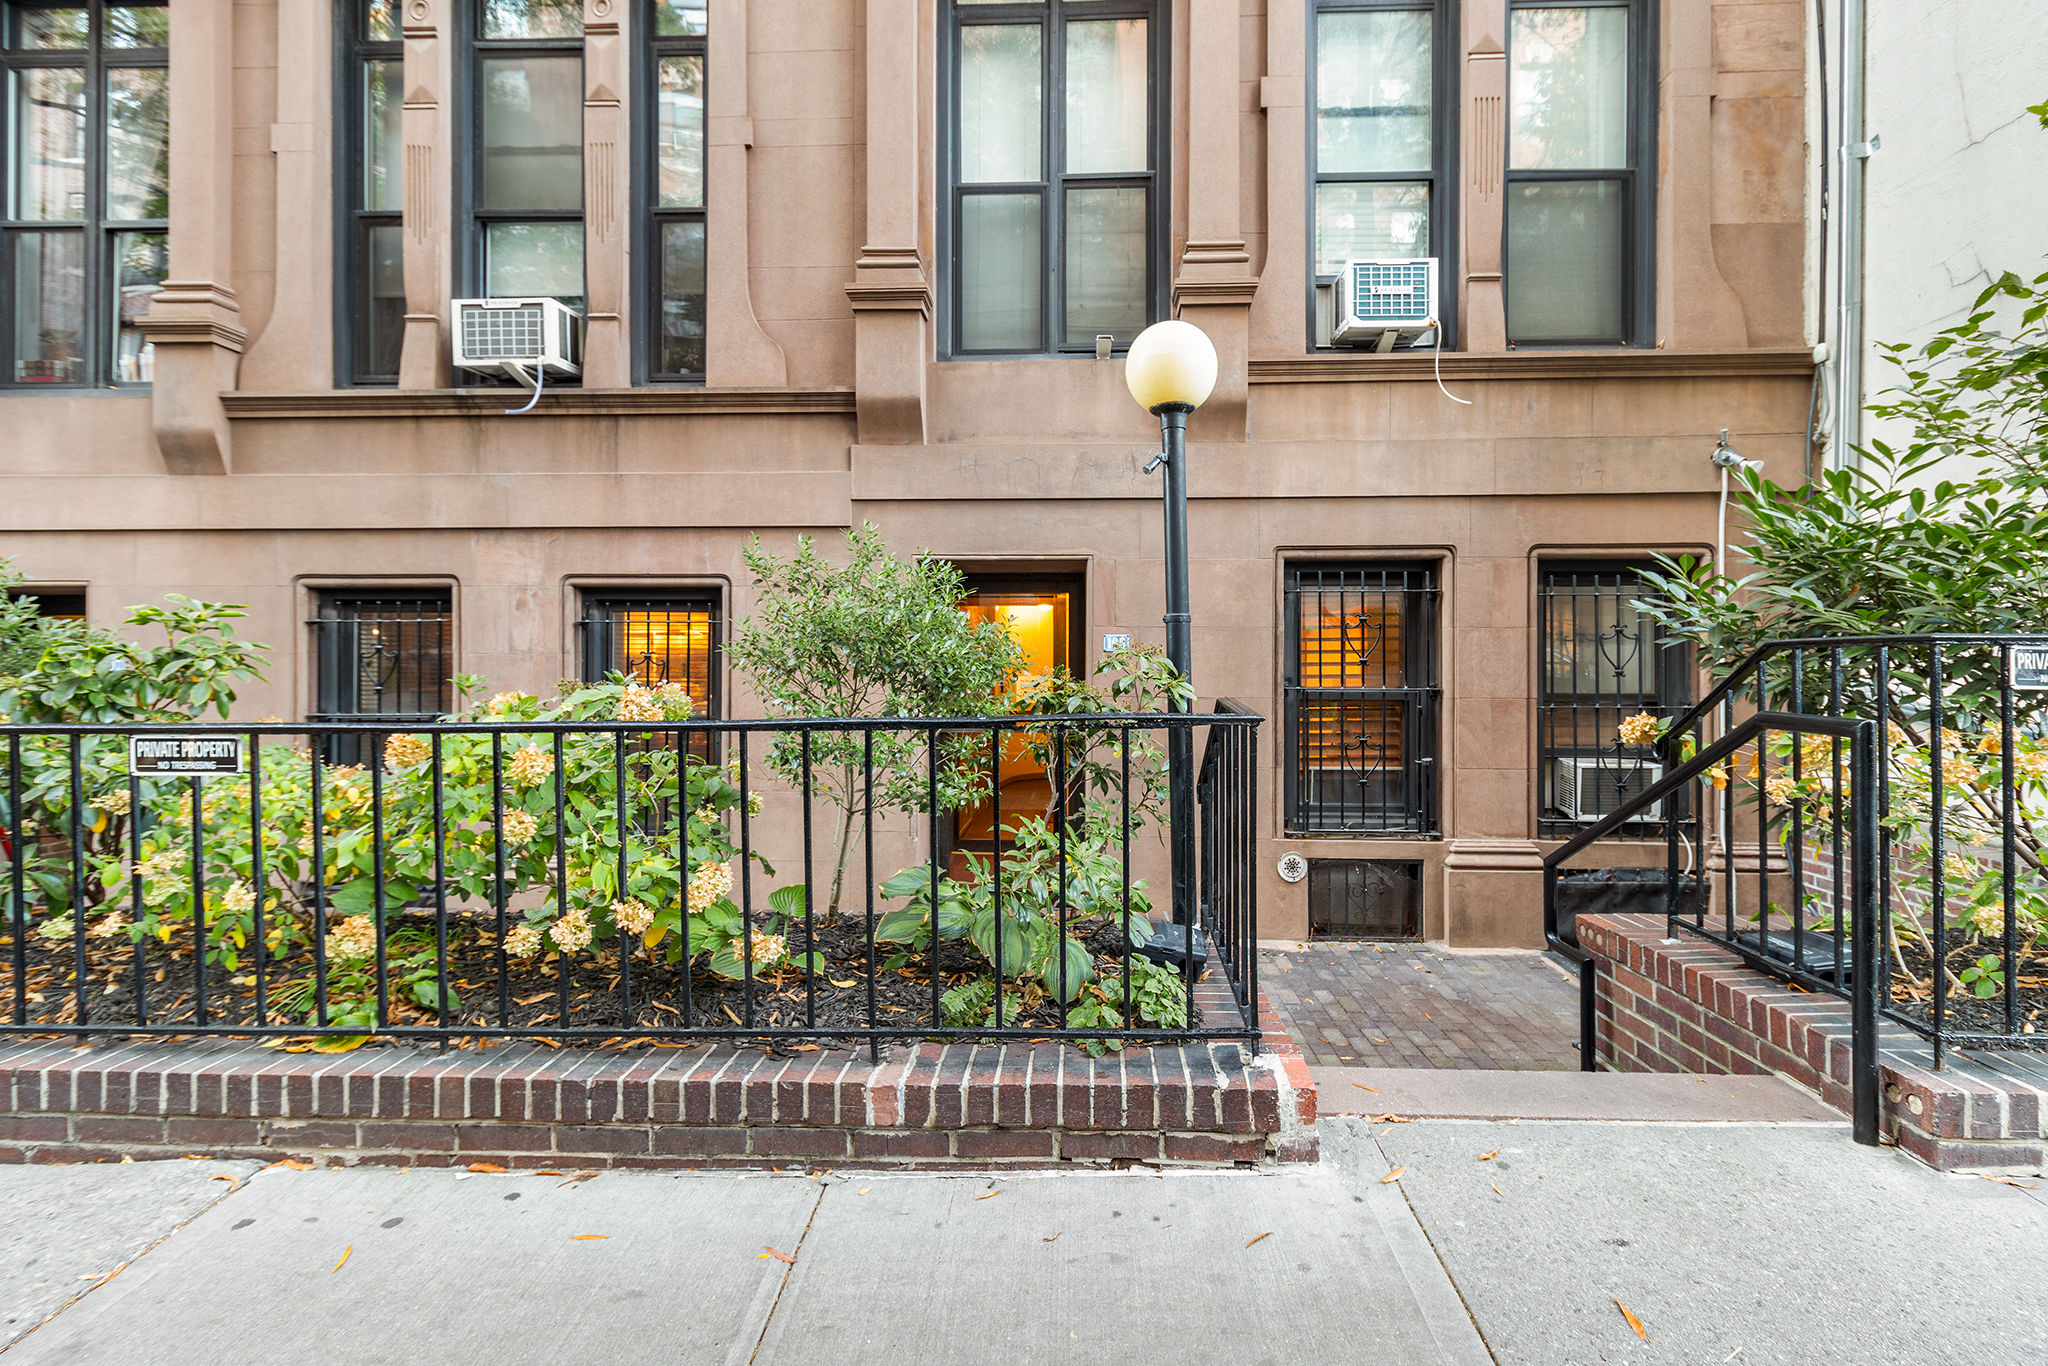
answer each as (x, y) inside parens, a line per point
(1622, 363)
(677, 401)
(161, 330)
(915, 296)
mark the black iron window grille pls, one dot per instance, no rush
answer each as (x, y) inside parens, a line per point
(654, 641)
(371, 192)
(1362, 699)
(85, 122)
(383, 659)
(1364, 899)
(1056, 227)
(1604, 662)
(672, 169)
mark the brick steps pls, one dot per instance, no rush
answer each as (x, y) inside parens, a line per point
(1684, 1005)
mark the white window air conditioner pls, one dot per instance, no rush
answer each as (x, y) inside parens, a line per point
(525, 339)
(1592, 789)
(1385, 304)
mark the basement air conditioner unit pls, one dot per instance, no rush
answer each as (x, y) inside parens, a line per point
(522, 338)
(1385, 304)
(1591, 789)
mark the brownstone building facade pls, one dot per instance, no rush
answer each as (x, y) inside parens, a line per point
(846, 260)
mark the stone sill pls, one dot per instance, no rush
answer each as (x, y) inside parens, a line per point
(1690, 1006)
(1771, 362)
(660, 401)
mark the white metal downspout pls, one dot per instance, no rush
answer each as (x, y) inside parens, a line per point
(1847, 352)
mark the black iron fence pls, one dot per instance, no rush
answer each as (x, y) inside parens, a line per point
(593, 881)
(1871, 819)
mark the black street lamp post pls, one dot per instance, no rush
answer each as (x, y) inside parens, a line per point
(1171, 368)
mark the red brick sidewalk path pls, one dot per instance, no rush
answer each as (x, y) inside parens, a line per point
(1413, 1005)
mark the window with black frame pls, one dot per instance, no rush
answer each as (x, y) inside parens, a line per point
(372, 191)
(381, 658)
(1381, 141)
(653, 639)
(1581, 133)
(1362, 698)
(84, 240)
(674, 166)
(524, 189)
(1604, 661)
(1055, 218)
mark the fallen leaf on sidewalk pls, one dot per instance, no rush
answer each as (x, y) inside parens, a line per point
(485, 1167)
(226, 1177)
(1498, 1191)
(576, 1177)
(768, 1251)
(293, 1164)
(1267, 1234)
(1363, 1087)
(2001, 1180)
(1056, 1237)
(549, 1171)
(988, 1195)
(1394, 1175)
(344, 1258)
(863, 1190)
(588, 1237)
(1488, 1157)
(1389, 1118)
(1633, 1321)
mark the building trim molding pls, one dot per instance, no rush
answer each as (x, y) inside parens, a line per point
(678, 400)
(1788, 362)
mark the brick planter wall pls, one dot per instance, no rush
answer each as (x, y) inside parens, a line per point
(1684, 1005)
(525, 1105)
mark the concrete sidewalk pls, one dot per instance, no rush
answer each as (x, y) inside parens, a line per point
(1731, 1242)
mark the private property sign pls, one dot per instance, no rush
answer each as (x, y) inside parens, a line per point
(2030, 666)
(186, 755)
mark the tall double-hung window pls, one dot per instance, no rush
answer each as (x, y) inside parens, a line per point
(1054, 214)
(673, 120)
(1581, 155)
(373, 191)
(524, 234)
(1381, 140)
(84, 220)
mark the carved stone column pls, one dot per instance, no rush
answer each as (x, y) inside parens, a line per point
(1214, 286)
(193, 322)
(736, 350)
(607, 203)
(294, 348)
(1482, 309)
(891, 294)
(426, 362)
(1279, 319)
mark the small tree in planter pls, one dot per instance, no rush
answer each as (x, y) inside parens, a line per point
(877, 637)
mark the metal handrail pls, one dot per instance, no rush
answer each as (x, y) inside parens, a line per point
(1862, 737)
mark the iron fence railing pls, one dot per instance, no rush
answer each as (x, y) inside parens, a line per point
(593, 881)
(1871, 819)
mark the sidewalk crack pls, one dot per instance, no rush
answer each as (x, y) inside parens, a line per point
(796, 1255)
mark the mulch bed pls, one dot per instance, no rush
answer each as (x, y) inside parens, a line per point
(532, 993)
(1962, 1010)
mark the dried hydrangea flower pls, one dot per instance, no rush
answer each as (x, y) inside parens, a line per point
(354, 938)
(519, 827)
(403, 751)
(709, 884)
(530, 766)
(572, 931)
(522, 940)
(1640, 729)
(109, 926)
(632, 915)
(114, 803)
(238, 898)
